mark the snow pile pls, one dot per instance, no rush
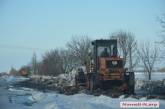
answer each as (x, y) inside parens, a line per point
(12, 79)
(19, 91)
(58, 81)
(26, 98)
(69, 78)
(83, 101)
(37, 96)
(138, 84)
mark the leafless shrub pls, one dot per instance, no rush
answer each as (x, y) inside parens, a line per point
(127, 47)
(79, 48)
(148, 56)
(34, 64)
(68, 61)
(52, 63)
(14, 72)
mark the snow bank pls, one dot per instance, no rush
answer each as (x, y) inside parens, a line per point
(25, 98)
(60, 80)
(13, 79)
(68, 77)
(37, 96)
(49, 100)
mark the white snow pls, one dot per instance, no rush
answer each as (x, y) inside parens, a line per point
(37, 96)
(68, 79)
(25, 98)
(13, 79)
(40, 100)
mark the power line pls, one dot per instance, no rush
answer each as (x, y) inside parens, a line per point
(8, 46)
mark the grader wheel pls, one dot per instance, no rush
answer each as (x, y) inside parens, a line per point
(93, 82)
(131, 83)
(91, 85)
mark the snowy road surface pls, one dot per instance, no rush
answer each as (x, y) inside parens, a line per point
(25, 98)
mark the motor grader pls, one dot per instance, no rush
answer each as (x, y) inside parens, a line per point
(106, 69)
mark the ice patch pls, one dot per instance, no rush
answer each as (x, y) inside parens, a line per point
(37, 96)
(51, 106)
(19, 91)
(122, 97)
(143, 99)
(107, 102)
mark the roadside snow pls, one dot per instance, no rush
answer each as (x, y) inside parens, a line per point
(60, 80)
(25, 98)
(13, 79)
(50, 100)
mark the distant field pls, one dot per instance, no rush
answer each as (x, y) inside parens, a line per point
(155, 75)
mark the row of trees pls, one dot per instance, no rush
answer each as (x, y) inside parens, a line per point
(58, 61)
(76, 53)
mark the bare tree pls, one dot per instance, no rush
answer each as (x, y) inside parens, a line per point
(132, 52)
(161, 19)
(52, 63)
(148, 56)
(79, 48)
(41, 68)
(34, 64)
(14, 72)
(68, 61)
(128, 47)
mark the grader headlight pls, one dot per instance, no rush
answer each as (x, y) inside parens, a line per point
(91, 67)
(114, 63)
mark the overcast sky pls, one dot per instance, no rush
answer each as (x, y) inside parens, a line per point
(28, 26)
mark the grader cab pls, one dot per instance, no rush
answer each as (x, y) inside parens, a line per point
(106, 69)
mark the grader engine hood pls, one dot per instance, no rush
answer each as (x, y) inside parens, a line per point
(111, 68)
(112, 64)
(108, 65)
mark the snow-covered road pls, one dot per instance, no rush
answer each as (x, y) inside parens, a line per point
(25, 98)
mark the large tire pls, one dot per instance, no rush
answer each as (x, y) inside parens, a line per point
(80, 79)
(76, 81)
(93, 82)
(91, 85)
(131, 83)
